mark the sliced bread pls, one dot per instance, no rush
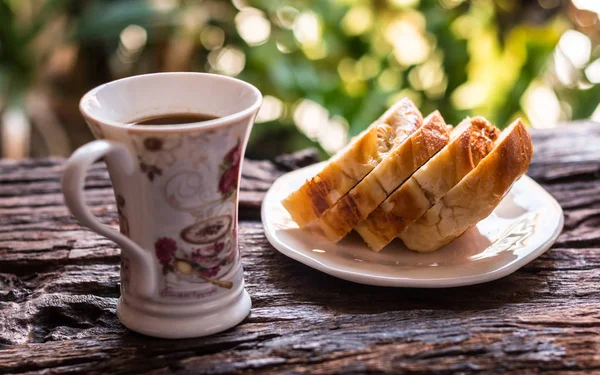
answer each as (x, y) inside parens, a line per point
(476, 195)
(470, 142)
(351, 164)
(391, 172)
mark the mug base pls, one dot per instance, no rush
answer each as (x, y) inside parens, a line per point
(181, 327)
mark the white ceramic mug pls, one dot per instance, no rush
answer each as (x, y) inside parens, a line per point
(176, 188)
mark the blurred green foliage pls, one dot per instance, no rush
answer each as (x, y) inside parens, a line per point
(326, 67)
(17, 63)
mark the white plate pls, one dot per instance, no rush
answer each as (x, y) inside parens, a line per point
(523, 226)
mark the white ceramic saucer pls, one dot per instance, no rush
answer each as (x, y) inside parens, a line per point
(523, 226)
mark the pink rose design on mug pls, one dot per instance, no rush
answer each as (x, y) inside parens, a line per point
(234, 155)
(230, 168)
(228, 181)
(165, 249)
(205, 263)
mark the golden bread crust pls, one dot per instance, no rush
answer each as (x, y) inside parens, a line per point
(476, 195)
(398, 165)
(351, 164)
(470, 142)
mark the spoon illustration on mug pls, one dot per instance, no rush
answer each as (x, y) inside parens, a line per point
(186, 267)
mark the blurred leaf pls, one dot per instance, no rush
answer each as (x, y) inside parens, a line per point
(585, 102)
(537, 49)
(105, 20)
(281, 73)
(49, 10)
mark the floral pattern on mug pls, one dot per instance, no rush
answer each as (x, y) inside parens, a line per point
(207, 231)
(230, 167)
(125, 272)
(155, 152)
(204, 251)
(165, 248)
(123, 222)
(204, 263)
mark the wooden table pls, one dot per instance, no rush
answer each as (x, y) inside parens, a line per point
(59, 285)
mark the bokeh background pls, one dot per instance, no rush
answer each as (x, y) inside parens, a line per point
(327, 68)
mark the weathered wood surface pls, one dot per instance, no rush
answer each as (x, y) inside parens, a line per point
(59, 287)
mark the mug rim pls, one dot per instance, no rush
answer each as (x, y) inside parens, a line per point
(217, 122)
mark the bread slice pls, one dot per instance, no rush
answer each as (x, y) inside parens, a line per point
(476, 195)
(470, 142)
(351, 164)
(401, 162)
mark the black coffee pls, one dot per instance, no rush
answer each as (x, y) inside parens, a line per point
(174, 119)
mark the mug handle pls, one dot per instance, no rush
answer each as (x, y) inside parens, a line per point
(144, 282)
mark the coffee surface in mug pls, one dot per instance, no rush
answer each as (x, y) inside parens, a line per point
(174, 119)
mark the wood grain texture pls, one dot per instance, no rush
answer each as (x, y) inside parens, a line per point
(59, 285)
